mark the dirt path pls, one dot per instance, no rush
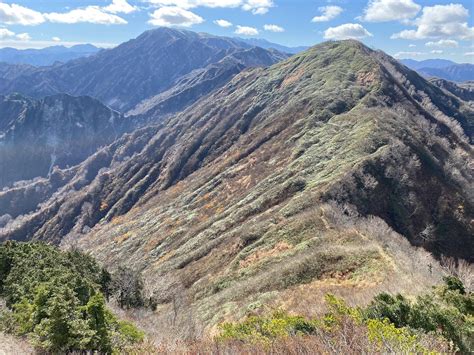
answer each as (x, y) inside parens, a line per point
(10, 345)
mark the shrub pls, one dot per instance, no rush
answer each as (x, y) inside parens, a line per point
(448, 310)
(56, 299)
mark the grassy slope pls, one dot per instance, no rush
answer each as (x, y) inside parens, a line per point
(250, 228)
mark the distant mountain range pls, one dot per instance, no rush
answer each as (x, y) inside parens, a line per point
(46, 56)
(442, 68)
(124, 76)
(270, 45)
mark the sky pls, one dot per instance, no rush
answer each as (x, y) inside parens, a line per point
(417, 29)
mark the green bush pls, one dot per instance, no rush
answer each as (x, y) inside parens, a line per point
(257, 328)
(57, 299)
(448, 310)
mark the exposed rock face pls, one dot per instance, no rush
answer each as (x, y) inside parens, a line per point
(124, 76)
(264, 185)
(60, 130)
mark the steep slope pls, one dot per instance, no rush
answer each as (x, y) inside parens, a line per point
(124, 76)
(36, 135)
(46, 56)
(458, 72)
(442, 69)
(267, 188)
(201, 82)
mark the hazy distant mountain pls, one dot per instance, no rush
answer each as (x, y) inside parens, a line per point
(442, 68)
(268, 45)
(46, 56)
(124, 76)
(36, 135)
(428, 63)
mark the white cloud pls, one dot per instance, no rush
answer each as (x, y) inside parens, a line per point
(246, 31)
(390, 10)
(120, 6)
(257, 7)
(408, 54)
(440, 21)
(189, 4)
(223, 23)
(273, 28)
(347, 31)
(469, 54)
(412, 45)
(327, 13)
(443, 43)
(89, 14)
(436, 51)
(4, 33)
(174, 16)
(18, 15)
(56, 39)
(23, 37)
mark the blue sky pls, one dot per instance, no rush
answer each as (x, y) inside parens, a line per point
(418, 29)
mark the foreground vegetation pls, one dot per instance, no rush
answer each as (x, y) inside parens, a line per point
(58, 300)
(440, 321)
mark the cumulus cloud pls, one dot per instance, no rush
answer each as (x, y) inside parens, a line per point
(347, 31)
(327, 13)
(440, 21)
(257, 7)
(469, 54)
(390, 10)
(223, 23)
(56, 39)
(246, 31)
(4, 33)
(412, 45)
(189, 4)
(436, 51)
(273, 28)
(443, 43)
(18, 15)
(23, 37)
(408, 54)
(174, 16)
(89, 14)
(120, 6)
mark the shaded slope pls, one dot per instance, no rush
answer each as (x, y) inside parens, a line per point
(201, 82)
(36, 135)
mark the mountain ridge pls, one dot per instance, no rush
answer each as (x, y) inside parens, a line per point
(119, 77)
